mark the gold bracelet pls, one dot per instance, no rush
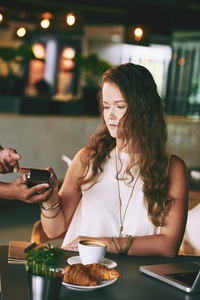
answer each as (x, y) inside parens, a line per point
(52, 216)
(54, 206)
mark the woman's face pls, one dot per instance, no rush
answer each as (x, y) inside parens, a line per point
(114, 107)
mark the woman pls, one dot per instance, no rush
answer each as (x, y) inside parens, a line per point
(124, 188)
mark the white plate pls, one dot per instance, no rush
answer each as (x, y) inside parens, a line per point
(89, 288)
(106, 262)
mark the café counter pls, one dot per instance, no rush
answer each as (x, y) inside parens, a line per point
(43, 139)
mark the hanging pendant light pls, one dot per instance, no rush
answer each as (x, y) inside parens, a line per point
(70, 19)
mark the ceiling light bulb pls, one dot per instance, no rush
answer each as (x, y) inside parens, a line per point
(47, 15)
(70, 19)
(21, 32)
(45, 23)
(138, 33)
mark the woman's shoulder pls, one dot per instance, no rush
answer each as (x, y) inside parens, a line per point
(178, 178)
(177, 164)
(82, 153)
(76, 165)
(174, 159)
(82, 156)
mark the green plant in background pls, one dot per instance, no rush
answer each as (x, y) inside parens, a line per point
(91, 67)
(43, 261)
(15, 58)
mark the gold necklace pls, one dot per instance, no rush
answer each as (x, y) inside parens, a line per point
(120, 200)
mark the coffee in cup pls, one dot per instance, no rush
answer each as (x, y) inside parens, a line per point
(92, 251)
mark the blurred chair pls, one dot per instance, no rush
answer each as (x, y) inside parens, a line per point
(39, 236)
(194, 178)
(66, 159)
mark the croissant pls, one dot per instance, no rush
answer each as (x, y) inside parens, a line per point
(101, 272)
(78, 275)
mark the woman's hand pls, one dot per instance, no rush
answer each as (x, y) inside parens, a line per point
(73, 246)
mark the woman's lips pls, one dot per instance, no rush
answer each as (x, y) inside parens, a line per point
(113, 126)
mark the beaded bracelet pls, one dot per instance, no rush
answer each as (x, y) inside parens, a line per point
(129, 239)
(52, 207)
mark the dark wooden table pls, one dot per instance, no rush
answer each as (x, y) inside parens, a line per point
(133, 285)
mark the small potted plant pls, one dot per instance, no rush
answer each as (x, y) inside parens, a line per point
(13, 61)
(44, 278)
(91, 68)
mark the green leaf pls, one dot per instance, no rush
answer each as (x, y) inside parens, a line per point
(44, 261)
(8, 54)
(91, 67)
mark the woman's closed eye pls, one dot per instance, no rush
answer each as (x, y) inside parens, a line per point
(118, 106)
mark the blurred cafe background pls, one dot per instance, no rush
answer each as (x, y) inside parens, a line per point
(52, 54)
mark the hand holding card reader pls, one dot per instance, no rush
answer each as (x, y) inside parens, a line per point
(36, 176)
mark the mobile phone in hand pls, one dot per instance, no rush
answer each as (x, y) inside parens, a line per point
(36, 176)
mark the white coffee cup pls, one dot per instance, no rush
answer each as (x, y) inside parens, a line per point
(92, 251)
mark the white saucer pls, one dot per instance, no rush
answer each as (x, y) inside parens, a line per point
(89, 288)
(106, 262)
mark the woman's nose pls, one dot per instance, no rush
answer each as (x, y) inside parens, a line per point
(112, 113)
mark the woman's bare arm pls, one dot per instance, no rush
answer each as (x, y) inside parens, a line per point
(70, 195)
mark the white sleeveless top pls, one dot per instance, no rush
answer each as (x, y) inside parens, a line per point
(98, 213)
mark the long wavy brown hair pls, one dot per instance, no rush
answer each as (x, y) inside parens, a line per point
(144, 127)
